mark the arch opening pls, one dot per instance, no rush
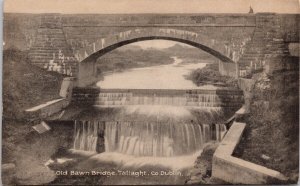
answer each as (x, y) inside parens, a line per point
(87, 69)
(112, 47)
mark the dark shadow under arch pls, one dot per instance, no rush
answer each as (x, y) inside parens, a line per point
(107, 49)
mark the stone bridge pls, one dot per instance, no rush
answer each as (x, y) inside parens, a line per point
(71, 44)
(88, 55)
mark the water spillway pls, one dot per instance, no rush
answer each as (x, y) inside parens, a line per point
(153, 139)
(152, 123)
(118, 99)
(202, 98)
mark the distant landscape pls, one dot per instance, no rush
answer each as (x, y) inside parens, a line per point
(133, 56)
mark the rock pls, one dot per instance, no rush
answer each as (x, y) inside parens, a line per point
(195, 171)
(203, 165)
(49, 162)
(208, 172)
(195, 180)
(34, 173)
(196, 177)
(265, 157)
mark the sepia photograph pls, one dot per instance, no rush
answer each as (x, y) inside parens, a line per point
(150, 92)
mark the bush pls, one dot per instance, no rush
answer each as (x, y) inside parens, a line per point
(210, 75)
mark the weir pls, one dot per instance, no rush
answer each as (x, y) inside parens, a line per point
(134, 129)
(204, 98)
(155, 139)
(118, 99)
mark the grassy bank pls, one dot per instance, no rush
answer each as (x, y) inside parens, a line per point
(271, 138)
(25, 86)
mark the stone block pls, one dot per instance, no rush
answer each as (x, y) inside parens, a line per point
(66, 88)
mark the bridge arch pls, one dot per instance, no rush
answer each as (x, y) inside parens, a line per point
(104, 45)
(87, 57)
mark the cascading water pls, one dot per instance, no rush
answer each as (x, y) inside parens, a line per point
(197, 100)
(154, 139)
(87, 135)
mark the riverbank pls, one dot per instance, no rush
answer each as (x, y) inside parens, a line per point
(201, 173)
(210, 75)
(25, 86)
(271, 136)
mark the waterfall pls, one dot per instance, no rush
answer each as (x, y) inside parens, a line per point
(154, 139)
(196, 100)
(86, 135)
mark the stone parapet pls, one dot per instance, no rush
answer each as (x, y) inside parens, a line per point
(237, 171)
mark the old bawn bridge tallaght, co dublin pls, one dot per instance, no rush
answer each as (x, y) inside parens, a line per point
(155, 122)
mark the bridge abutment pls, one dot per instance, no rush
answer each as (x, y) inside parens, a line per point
(87, 73)
(268, 48)
(51, 50)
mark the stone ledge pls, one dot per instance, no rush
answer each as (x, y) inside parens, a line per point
(235, 170)
(47, 109)
(52, 107)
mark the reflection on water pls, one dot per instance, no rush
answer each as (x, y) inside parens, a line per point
(170, 76)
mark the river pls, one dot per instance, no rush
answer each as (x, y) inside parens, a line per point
(171, 76)
(140, 152)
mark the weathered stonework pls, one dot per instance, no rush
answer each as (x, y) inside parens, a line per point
(268, 48)
(61, 43)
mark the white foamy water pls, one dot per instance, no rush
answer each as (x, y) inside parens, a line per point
(128, 161)
(163, 110)
(157, 77)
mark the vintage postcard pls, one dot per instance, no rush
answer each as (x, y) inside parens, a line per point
(150, 92)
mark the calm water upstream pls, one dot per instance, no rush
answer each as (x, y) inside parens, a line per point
(170, 76)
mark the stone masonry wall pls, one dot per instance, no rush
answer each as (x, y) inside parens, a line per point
(268, 48)
(19, 30)
(228, 69)
(51, 50)
(53, 38)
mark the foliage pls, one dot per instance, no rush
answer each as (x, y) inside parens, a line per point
(119, 60)
(24, 86)
(210, 75)
(273, 125)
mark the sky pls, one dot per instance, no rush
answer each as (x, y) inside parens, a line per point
(150, 6)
